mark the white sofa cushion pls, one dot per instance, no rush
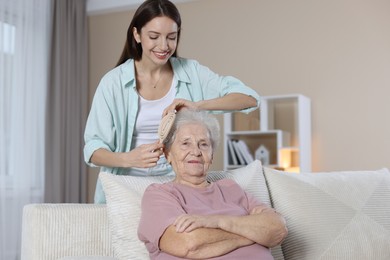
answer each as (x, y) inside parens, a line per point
(334, 215)
(89, 258)
(54, 231)
(124, 194)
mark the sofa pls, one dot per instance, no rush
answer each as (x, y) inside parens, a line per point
(330, 215)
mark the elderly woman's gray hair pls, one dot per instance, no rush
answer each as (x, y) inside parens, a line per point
(187, 116)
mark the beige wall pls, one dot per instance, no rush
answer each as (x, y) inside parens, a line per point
(336, 52)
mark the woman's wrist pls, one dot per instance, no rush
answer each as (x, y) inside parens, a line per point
(199, 105)
(123, 160)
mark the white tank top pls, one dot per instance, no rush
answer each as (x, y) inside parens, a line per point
(149, 117)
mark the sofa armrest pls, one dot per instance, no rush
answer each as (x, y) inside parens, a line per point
(53, 231)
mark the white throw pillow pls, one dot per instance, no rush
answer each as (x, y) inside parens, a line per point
(333, 215)
(124, 194)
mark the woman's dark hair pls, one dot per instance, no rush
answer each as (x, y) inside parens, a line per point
(147, 11)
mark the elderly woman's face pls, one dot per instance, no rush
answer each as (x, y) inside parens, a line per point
(191, 153)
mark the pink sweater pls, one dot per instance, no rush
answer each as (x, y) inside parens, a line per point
(163, 203)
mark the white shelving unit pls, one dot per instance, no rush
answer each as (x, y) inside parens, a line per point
(282, 125)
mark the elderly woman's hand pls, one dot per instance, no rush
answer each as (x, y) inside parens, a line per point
(187, 223)
(263, 225)
(261, 209)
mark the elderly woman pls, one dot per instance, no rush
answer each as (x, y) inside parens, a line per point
(193, 218)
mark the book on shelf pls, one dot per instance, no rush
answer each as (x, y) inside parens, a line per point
(240, 156)
(239, 153)
(248, 157)
(232, 154)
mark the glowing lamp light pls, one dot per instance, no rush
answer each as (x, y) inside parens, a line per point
(286, 158)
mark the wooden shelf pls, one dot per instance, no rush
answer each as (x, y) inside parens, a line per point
(282, 126)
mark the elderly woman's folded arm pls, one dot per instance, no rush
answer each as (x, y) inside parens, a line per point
(265, 227)
(200, 243)
(200, 237)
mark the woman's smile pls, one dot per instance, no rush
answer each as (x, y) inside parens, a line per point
(194, 161)
(162, 55)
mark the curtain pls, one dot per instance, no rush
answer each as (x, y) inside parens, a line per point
(43, 109)
(67, 104)
(24, 62)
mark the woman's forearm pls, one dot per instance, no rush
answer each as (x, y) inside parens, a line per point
(143, 156)
(218, 248)
(201, 243)
(106, 158)
(233, 101)
(267, 228)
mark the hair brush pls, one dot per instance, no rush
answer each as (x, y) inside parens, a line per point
(166, 125)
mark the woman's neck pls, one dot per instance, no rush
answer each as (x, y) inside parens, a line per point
(148, 68)
(193, 182)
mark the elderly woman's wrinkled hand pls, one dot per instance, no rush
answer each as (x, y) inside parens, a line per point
(187, 223)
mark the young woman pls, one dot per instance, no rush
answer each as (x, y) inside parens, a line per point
(148, 81)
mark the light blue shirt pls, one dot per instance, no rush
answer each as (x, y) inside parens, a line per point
(113, 113)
